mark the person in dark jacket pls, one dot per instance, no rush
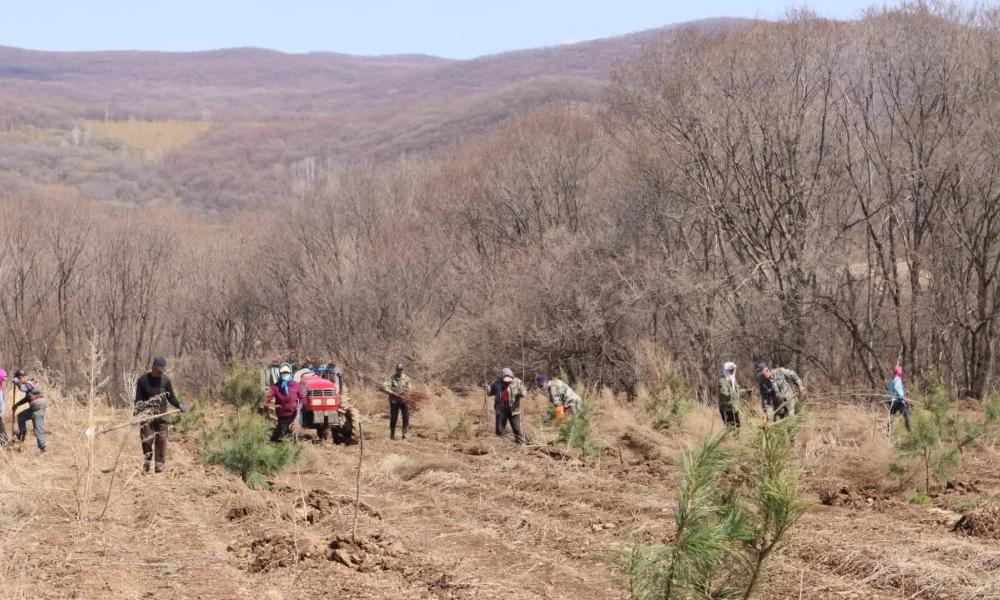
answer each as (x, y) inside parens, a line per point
(153, 391)
(35, 412)
(507, 393)
(288, 396)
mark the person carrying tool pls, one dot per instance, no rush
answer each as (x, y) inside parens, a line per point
(153, 391)
(35, 412)
(398, 384)
(561, 395)
(507, 392)
(898, 402)
(288, 397)
(776, 394)
(731, 396)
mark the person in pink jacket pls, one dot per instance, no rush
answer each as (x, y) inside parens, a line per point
(288, 397)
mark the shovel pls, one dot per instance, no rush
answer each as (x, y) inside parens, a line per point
(93, 432)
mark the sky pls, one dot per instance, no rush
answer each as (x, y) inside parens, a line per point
(448, 28)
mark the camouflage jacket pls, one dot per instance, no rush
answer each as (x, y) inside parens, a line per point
(778, 389)
(516, 392)
(560, 394)
(397, 385)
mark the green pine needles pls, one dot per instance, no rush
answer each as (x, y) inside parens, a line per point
(940, 435)
(244, 448)
(242, 445)
(724, 532)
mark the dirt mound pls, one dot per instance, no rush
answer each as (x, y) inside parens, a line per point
(320, 504)
(850, 498)
(645, 446)
(982, 521)
(273, 552)
(367, 554)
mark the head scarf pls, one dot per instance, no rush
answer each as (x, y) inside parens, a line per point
(898, 371)
(729, 372)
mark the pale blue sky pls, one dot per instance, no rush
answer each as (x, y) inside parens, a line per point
(450, 28)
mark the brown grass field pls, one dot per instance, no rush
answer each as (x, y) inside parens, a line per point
(452, 515)
(164, 136)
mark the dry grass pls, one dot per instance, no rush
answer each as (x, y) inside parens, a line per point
(847, 445)
(164, 136)
(433, 513)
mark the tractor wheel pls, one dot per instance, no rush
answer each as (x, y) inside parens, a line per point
(348, 431)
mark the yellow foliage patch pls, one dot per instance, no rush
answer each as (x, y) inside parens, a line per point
(150, 135)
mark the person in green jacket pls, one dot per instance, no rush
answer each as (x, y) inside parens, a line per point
(731, 396)
(398, 384)
(560, 393)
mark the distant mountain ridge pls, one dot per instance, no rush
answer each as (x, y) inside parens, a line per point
(151, 84)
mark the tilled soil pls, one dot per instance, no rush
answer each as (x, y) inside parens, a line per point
(438, 518)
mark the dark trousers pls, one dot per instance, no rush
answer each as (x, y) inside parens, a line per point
(900, 407)
(283, 429)
(779, 407)
(395, 408)
(503, 416)
(153, 436)
(730, 416)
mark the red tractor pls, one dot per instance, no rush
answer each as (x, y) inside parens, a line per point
(327, 408)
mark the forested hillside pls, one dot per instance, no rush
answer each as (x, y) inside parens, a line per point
(826, 200)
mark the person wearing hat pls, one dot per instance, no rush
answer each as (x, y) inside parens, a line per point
(153, 390)
(730, 396)
(398, 384)
(776, 394)
(35, 412)
(561, 395)
(507, 392)
(288, 396)
(898, 403)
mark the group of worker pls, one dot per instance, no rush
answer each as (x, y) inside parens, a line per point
(780, 389)
(507, 392)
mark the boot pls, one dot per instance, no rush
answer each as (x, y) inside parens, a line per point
(145, 467)
(159, 467)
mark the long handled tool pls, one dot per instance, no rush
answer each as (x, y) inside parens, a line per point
(93, 432)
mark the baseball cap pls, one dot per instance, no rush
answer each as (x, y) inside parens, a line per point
(285, 369)
(400, 366)
(160, 363)
(761, 367)
(507, 374)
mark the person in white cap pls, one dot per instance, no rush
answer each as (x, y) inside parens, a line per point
(507, 392)
(731, 396)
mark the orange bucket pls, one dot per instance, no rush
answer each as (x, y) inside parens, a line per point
(560, 413)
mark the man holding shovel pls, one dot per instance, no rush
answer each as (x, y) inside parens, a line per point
(152, 392)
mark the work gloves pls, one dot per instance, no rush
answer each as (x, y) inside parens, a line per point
(184, 407)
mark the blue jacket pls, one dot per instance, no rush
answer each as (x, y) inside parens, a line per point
(896, 389)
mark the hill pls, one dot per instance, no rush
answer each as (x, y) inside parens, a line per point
(254, 84)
